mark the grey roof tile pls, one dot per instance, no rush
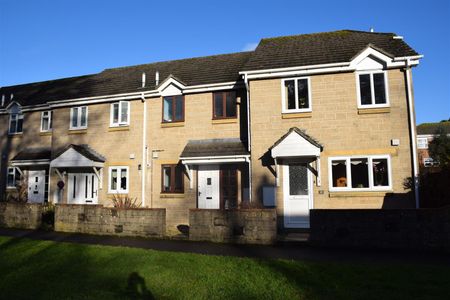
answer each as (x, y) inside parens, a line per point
(214, 147)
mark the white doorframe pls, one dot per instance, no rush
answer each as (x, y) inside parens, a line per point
(208, 182)
(36, 186)
(286, 194)
(81, 187)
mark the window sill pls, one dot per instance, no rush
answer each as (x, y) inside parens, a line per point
(296, 115)
(224, 121)
(121, 193)
(15, 134)
(118, 128)
(77, 131)
(171, 195)
(45, 133)
(374, 110)
(172, 124)
(334, 194)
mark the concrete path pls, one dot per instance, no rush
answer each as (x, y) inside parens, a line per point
(284, 251)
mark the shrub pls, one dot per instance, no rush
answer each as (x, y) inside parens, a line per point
(48, 217)
(125, 201)
(22, 192)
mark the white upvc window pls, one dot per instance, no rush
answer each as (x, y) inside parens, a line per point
(46, 121)
(79, 117)
(422, 143)
(118, 180)
(120, 114)
(296, 95)
(429, 162)
(12, 176)
(360, 173)
(372, 89)
(15, 123)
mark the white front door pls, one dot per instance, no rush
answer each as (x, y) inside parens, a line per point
(82, 188)
(208, 187)
(297, 190)
(36, 186)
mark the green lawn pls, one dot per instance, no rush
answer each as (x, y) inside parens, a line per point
(49, 270)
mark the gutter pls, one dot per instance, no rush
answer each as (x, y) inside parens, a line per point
(249, 138)
(144, 150)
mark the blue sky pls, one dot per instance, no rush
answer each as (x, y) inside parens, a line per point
(42, 40)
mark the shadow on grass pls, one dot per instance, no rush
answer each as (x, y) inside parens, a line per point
(137, 288)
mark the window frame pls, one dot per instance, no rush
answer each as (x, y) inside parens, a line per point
(173, 168)
(79, 109)
(120, 123)
(224, 105)
(418, 143)
(19, 116)
(173, 109)
(349, 188)
(117, 190)
(50, 121)
(284, 108)
(14, 173)
(372, 89)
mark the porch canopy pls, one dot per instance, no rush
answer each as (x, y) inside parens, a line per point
(78, 156)
(32, 157)
(213, 151)
(296, 144)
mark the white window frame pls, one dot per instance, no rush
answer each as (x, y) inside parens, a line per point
(284, 109)
(429, 162)
(118, 190)
(422, 145)
(8, 172)
(79, 109)
(120, 122)
(372, 89)
(50, 120)
(18, 117)
(371, 187)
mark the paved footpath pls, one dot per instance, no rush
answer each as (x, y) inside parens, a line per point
(284, 251)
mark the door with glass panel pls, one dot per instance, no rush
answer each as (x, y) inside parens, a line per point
(297, 190)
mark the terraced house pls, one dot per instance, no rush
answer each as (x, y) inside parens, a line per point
(320, 120)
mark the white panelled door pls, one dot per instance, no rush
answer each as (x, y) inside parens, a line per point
(297, 190)
(82, 188)
(208, 187)
(36, 186)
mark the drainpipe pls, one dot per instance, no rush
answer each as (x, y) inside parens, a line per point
(249, 139)
(412, 128)
(144, 149)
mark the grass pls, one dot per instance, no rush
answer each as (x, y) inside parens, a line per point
(32, 269)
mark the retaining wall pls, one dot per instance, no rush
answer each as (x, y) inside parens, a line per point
(96, 219)
(21, 215)
(245, 226)
(389, 228)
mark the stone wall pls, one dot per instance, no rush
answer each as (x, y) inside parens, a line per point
(391, 228)
(21, 215)
(96, 219)
(245, 226)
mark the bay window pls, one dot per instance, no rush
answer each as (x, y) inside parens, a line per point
(360, 173)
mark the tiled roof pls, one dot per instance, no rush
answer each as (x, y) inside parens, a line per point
(280, 52)
(431, 128)
(33, 154)
(214, 147)
(322, 48)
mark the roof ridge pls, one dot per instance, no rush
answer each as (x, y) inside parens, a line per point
(327, 32)
(49, 80)
(175, 60)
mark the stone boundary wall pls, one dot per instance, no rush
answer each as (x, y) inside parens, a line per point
(244, 226)
(21, 215)
(423, 229)
(99, 220)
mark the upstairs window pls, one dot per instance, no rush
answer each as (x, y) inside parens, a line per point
(372, 90)
(120, 114)
(173, 109)
(15, 123)
(360, 173)
(118, 180)
(172, 179)
(46, 121)
(78, 117)
(422, 143)
(224, 105)
(12, 177)
(296, 94)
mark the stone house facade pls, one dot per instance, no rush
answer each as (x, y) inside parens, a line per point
(310, 121)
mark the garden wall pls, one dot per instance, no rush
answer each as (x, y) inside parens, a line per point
(246, 226)
(21, 215)
(390, 228)
(96, 219)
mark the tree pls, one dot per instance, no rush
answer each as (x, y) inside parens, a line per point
(439, 148)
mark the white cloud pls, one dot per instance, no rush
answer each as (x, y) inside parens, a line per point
(250, 47)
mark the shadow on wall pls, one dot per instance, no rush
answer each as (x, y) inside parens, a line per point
(399, 200)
